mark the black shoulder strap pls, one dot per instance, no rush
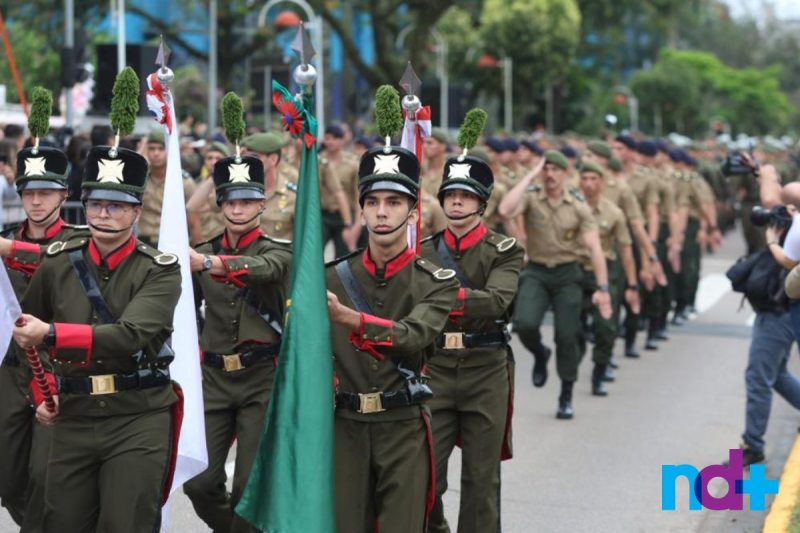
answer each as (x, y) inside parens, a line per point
(351, 287)
(449, 262)
(262, 310)
(90, 287)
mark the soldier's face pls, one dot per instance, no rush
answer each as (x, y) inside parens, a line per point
(458, 203)
(591, 157)
(432, 147)
(385, 213)
(240, 214)
(156, 155)
(553, 176)
(333, 143)
(525, 156)
(591, 184)
(211, 158)
(110, 216)
(506, 157)
(621, 151)
(40, 204)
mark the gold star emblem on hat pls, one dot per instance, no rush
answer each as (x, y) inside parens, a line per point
(387, 164)
(34, 166)
(110, 171)
(239, 173)
(459, 171)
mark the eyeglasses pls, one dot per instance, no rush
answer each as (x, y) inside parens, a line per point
(114, 210)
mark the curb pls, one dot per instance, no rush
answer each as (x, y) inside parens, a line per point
(780, 513)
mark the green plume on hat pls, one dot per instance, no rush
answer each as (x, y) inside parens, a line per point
(388, 116)
(471, 129)
(39, 118)
(124, 103)
(232, 119)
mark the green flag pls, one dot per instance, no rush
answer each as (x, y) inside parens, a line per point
(290, 489)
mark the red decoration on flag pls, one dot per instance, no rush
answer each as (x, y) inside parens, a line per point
(157, 103)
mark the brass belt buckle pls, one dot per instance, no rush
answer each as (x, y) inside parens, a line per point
(103, 384)
(232, 362)
(370, 403)
(454, 341)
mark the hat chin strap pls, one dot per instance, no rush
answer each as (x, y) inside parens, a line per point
(104, 230)
(478, 211)
(48, 215)
(390, 231)
(260, 211)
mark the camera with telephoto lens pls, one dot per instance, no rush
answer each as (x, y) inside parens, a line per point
(777, 216)
(735, 164)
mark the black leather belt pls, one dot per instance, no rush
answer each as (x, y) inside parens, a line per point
(374, 402)
(457, 340)
(111, 383)
(238, 361)
(11, 359)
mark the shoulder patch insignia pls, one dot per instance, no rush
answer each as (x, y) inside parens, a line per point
(292, 186)
(434, 270)
(275, 239)
(534, 188)
(158, 257)
(577, 194)
(501, 242)
(57, 247)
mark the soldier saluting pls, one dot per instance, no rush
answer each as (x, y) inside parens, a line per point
(241, 276)
(386, 307)
(471, 373)
(102, 306)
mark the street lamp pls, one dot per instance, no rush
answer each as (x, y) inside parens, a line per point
(441, 70)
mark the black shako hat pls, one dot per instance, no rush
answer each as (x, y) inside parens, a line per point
(42, 167)
(239, 178)
(115, 174)
(388, 168)
(467, 173)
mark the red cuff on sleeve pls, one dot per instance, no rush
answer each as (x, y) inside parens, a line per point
(461, 303)
(36, 394)
(361, 340)
(28, 247)
(230, 275)
(24, 247)
(76, 336)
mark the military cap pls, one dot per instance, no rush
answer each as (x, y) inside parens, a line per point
(615, 164)
(366, 142)
(676, 155)
(532, 146)
(689, 160)
(467, 173)
(480, 153)
(264, 143)
(662, 146)
(556, 158)
(115, 174)
(591, 167)
(568, 151)
(600, 148)
(239, 178)
(440, 135)
(494, 144)
(388, 168)
(42, 168)
(627, 140)
(221, 147)
(647, 148)
(335, 130)
(156, 136)
(511, 144)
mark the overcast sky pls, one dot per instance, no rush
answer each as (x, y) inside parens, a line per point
(785, 9)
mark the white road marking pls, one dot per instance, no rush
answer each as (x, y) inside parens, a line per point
(710, 290)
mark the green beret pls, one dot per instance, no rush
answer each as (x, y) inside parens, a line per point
(264, 143)
(591, 167)
(220, 147)
(440, 135)
(480, 153)
(556, 158)
(156, 136)
(600, 148)
(615, 164)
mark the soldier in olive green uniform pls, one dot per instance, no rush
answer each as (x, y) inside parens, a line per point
(558, 227)
(616, 243)
(470, 371)
(387, 307)
(24, 445)
(338, 173)
(241, 276)
(112, 431)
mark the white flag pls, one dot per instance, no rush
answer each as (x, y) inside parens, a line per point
(173, 237)
(9, 310)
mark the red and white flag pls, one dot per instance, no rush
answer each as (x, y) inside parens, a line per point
(416, 128)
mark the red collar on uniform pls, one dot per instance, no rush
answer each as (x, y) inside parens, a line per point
(244, 240)
(469, 240)
(393, 265)
(51, 231)
(114, 258)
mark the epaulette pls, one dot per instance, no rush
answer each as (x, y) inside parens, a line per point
(292, 186)
(534, 188)
(342, 258)
(436, 272)
(56, 247)
(274, 239)
(323, 160)
(578, 195)
(158, 257)
(501, 242)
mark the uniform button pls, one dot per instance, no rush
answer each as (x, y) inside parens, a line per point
(232, 304)
(101, 403)
(374, 366)
(234, 321)
(382, 284)
(105, 278)
(379, 303)
(374, 389)
(233, 338)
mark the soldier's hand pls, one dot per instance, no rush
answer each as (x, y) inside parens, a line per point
(715, 239)
(658, 273)
(350, 236)
(647, 279)
(603, 302)
(5, 247)
(195, 261)
(632, 299)
(45, 417)
(32, 333)
(341, 314)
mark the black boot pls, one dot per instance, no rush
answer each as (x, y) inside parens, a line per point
(630, 344)
(609, 376)
(612, 363)
(650, 343)
(678, 318)
(565, 411)
(540, 358)
(598, 383)
(661, 329)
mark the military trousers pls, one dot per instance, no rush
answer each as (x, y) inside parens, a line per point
(235, 407)
(24, 449)
(689, 276)
(382, 475)
(107, 473)
(469, 406)
(605, 330)
(656, 303)
(539, 288)
(332, 226)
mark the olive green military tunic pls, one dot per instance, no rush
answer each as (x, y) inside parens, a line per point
(553, 275)
(110, 450)
(150, 221)
(24, 444)
(236, 396)
(383, 457)
(471, 379)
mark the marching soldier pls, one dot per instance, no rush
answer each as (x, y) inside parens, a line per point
(41, 183)
(470, 374)
(557, 224)
(241, 275)
(102, 306)
(386, 307)
(338, 173)
(203, 200)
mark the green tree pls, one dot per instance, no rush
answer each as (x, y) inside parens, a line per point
(37, 63)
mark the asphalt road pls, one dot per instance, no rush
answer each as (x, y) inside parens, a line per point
(602, 470)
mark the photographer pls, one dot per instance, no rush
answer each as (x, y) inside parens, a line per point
(742, 169)
(759, 276)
